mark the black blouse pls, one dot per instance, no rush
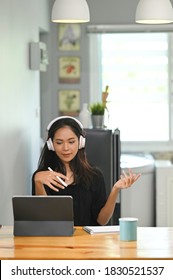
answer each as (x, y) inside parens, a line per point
(87, 202)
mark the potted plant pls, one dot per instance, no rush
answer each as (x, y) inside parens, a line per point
(97, 108)
(97, 114)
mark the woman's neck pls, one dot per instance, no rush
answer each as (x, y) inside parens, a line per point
(69, 173)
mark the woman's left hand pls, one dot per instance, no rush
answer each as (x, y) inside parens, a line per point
(126, 180)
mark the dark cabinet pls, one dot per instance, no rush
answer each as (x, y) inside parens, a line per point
(103, 149)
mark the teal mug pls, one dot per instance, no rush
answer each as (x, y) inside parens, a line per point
(128, 229)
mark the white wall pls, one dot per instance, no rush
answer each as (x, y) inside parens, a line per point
(20, 23)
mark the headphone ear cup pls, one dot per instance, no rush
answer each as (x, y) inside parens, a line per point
(50, 145)
(81, 142)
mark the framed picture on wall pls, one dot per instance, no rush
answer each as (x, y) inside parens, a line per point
(69, 102)
(69, 35)
(69, 70)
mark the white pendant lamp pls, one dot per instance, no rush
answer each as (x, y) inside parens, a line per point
(154, 12)
(70, 11)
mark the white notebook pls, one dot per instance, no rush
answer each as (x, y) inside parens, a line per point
(101, 229)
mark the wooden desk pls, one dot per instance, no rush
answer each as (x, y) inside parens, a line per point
(152, 243)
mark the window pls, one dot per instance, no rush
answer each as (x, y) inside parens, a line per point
(137, 68)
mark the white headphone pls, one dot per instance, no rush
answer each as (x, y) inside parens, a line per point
(81, 138)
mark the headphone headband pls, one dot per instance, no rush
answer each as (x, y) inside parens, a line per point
(64, 117)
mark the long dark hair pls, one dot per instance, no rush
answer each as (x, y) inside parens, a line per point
(81, 168)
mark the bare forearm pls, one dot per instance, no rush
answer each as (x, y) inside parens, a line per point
(124, 182)
(107, 211)
(39, 189)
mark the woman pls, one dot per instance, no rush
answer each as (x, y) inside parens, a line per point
(64, 155)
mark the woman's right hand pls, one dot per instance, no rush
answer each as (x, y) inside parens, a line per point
(49, 179)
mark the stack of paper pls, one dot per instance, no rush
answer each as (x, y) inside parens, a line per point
(101, 229)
